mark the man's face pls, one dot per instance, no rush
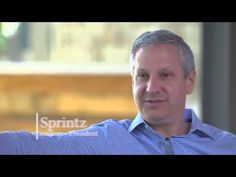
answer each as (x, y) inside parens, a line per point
(159, 86)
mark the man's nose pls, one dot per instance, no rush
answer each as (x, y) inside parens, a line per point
(153, 85)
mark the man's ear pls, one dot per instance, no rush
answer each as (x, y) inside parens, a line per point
(191, 79)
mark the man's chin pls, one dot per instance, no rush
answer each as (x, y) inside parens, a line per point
(154, 115)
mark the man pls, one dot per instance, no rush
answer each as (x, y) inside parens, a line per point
(163, 73)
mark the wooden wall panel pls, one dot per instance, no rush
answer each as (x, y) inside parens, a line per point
(91, 97)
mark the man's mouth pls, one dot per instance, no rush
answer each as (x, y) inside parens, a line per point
(154, 100)
(154, 103)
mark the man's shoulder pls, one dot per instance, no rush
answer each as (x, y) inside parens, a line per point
(220, 133)
(105, 128)
(112, 123)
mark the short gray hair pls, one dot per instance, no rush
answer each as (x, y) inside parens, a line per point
(165, 37)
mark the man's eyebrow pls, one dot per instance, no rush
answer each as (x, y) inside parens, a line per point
(168, 68)
(141, 69)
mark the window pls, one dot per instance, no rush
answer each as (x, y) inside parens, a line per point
(53, 50)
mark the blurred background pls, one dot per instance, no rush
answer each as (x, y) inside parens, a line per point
(81, 70)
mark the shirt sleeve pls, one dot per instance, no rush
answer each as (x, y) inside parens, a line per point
(87, 141)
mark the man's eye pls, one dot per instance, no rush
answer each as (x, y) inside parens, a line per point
(142, 76)
(166, 75)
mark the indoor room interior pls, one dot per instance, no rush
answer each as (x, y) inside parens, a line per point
(68, 70)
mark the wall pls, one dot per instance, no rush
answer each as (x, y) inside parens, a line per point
(90, 97)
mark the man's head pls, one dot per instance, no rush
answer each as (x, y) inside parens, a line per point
(165, 37)
(163, 72)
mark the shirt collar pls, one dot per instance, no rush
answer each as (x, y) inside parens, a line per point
(136, 122)
(189, 116)
(197, 124)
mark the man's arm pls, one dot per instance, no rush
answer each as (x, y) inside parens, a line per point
(88, 141)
